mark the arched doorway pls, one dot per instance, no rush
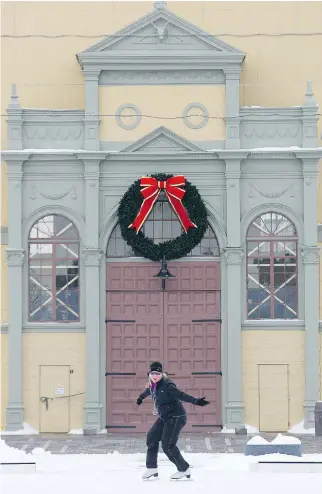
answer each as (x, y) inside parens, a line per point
(180, 326)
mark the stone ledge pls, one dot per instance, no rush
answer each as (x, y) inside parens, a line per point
(270, 449)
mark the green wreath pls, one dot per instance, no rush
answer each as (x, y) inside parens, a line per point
(171, 249)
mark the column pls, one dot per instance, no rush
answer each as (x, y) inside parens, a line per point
(310, 254)
(233, 255)
(91, 120)
(91, 256)
(309, 119)
(14, 121)
(232, 108)
(15, 259)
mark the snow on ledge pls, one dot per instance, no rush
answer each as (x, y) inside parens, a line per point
(280, 439)
(26, 431)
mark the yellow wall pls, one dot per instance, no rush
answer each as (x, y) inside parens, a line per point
(3, 379)
(53, 349)
(162, 101)
(273, 347)
(47, 73)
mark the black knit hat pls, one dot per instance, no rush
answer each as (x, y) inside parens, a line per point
(156, 366)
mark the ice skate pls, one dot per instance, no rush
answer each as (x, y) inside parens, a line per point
(181, 475)
(150, 474)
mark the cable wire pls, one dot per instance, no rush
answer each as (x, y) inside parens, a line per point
(120, 36)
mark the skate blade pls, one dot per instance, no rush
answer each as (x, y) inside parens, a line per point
(185, 478)
(153, 477)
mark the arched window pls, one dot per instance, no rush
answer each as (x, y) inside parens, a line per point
(162, 225)
(53, 270)
(272, 279)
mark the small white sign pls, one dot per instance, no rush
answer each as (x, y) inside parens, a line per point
(60, 391)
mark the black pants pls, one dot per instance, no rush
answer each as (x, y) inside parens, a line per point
(168, 433)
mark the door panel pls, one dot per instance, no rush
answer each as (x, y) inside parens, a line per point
(54, 382)
(179, 326)
(273, 398)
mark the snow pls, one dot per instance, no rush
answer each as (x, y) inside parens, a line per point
(299, 429)
(76, 431)
(280, 439)
(257, 441)
(26, 431)
(250, 430)
(115, 472)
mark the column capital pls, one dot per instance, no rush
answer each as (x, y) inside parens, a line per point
(311, 255)
(15, 257)
(234, 255)
(91, 74)
(91, 256)
(232, 73)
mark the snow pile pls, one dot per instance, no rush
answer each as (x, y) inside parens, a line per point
(26, 431)
(280, 439)
(13, 455)
(250, 430)
(299, 429)
(257, 441)
(76, 431)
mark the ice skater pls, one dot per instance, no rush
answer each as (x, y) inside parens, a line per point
(172, 417)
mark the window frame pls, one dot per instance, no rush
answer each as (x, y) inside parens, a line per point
(271, 239)
(54, 242)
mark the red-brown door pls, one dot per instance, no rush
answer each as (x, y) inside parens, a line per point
(179, 326)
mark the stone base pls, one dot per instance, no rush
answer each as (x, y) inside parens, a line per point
(270, 449)
(14, 417)
(92, 418)
(309, 420)
(235, 415)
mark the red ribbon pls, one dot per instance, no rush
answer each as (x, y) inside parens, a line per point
(151, 189)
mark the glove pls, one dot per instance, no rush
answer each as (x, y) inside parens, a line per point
(139, 401)
(201, 402)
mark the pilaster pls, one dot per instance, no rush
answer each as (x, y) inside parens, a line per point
(232, 108)
(309, 119)
(91, 120)
(91, 256)
(234, 406)
(14, 121)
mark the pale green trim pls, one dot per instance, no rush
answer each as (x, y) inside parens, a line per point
(3, 235)
(3, 328)
(274, 325)
(320, 232)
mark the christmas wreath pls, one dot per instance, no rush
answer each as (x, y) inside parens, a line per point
(137, 203)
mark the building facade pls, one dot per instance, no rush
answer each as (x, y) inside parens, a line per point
(82, 314)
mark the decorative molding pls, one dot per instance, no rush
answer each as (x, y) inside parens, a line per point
(15, 257)
(4, 235)
(43, 327)
(270, 130)
(311, 255)
(160, 41)
(52, 197)
(160, 77)
(234, 255)
(270, 195)
(119, 116)
(165, 138)
(61, 132)
(320, 232)
(205, 115)
(92, 256)
(273, 325)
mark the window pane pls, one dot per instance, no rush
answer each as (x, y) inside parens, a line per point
(161, 228)
(54, 271)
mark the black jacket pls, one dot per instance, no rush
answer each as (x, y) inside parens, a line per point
(168, 399)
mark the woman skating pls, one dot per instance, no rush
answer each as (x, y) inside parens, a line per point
(172, 417)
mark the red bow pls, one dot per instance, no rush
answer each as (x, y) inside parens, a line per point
(151, 188)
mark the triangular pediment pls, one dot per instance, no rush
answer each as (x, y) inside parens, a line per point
(161, 141)
(158, 32)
